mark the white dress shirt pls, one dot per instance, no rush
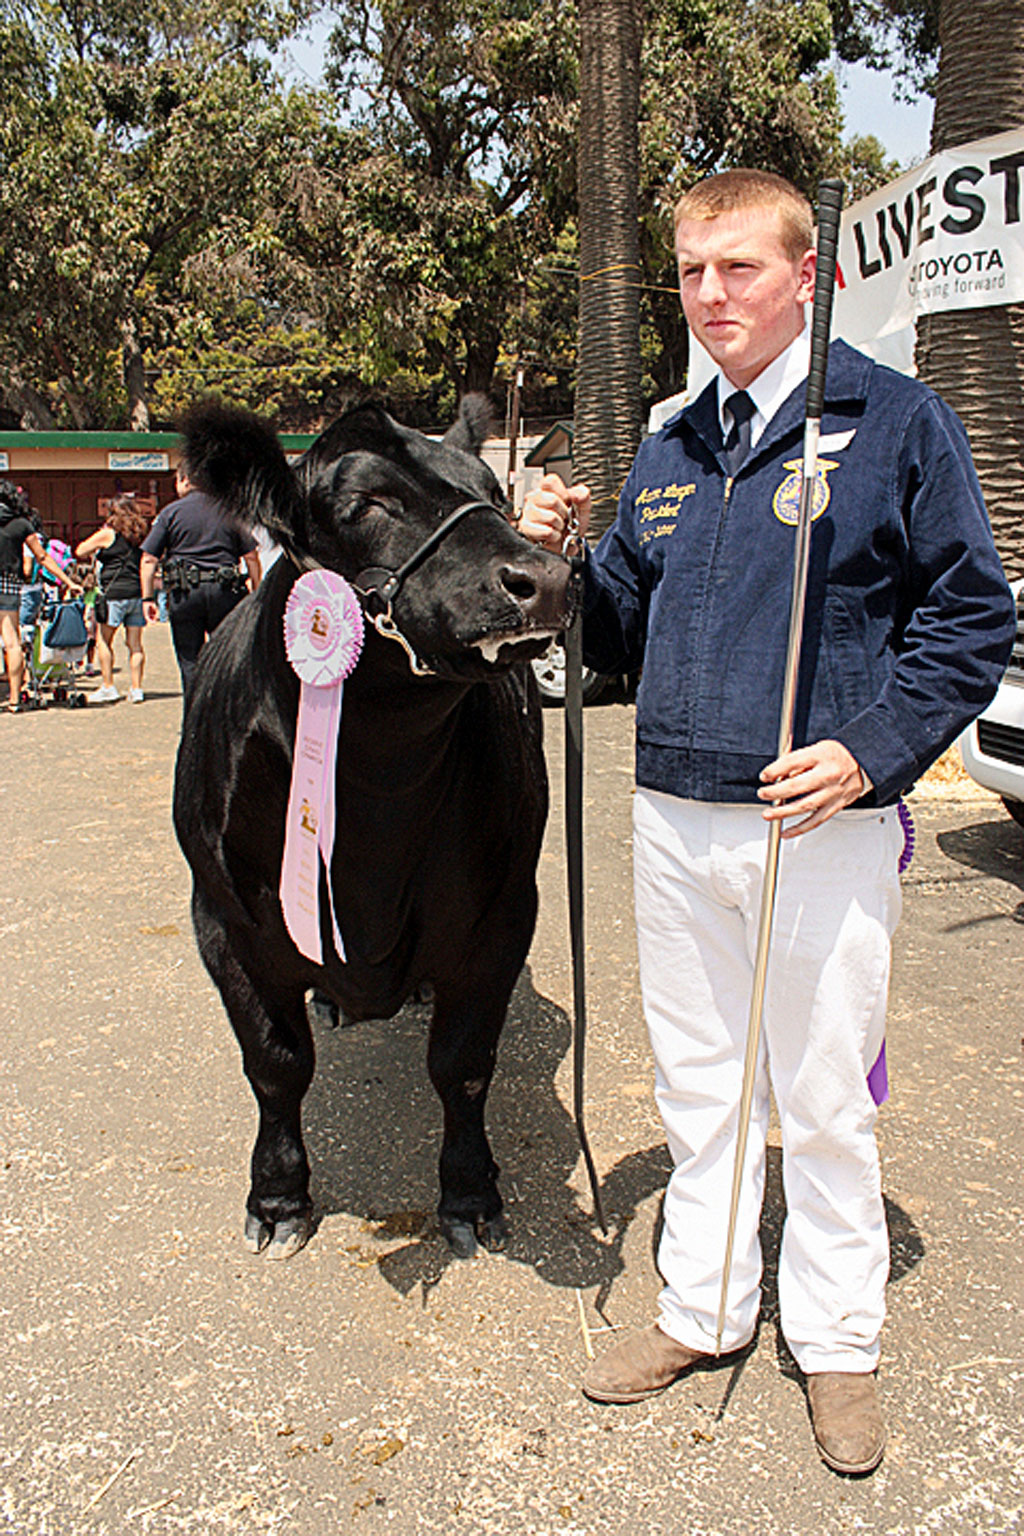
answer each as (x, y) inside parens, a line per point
(772, 387)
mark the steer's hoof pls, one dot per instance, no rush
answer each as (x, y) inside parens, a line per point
(460, 1237)
(257, 1233)
(494, 1234)
(290, 1236)
(281, 1240)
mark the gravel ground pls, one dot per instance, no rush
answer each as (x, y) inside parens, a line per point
(156, 1378)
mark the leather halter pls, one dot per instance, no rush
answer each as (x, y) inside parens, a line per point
(377, 586)
(379, 594)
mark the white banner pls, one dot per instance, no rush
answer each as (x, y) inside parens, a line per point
(946, 235)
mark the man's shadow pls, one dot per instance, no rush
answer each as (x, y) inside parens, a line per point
(991, 848)
(372, 1125)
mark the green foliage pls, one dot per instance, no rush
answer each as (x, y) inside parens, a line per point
(865, 166)
(726, 82)
(901, 35)
(738, 83)
(136, 137)
(467, 111)
(286, 370)
(409, 233)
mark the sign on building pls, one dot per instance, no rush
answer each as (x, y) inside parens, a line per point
(151, 462)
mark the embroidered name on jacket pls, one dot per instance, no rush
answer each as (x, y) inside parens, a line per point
(658, 507)
(786, 501)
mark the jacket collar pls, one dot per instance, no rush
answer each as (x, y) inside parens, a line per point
(846, 381)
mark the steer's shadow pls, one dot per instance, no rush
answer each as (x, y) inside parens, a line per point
(373, 1131)
(372, 1126)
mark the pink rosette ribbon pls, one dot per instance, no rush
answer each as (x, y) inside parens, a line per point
(323, 636)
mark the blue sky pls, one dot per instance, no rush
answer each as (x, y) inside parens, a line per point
(869, 106)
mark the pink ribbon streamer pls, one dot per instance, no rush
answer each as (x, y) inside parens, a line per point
(323, 636)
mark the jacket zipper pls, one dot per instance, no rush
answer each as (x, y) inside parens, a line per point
(708, 597)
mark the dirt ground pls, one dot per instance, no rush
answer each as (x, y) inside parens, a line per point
(155, 1378)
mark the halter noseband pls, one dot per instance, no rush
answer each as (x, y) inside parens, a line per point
(377, 587)
(377, 594)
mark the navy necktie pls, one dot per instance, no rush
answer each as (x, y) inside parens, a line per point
(737, 442)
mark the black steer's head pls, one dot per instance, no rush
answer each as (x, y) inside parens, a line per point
(365, 498)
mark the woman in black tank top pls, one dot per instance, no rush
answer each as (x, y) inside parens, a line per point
(116, 547)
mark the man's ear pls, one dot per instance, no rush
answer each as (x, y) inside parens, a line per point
(808, 267)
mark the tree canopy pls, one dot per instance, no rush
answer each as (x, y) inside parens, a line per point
(177, 218)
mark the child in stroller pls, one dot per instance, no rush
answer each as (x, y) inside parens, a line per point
(18, 533)
(58, 649)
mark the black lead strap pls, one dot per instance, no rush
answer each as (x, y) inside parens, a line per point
(574, 856)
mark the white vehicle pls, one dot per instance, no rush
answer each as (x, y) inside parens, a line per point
(549, 670)
(992, 748)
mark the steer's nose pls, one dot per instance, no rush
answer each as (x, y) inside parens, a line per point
(539, 587)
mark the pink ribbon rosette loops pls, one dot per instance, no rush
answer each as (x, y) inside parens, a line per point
(323, 636)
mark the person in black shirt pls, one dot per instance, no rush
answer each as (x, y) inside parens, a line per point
(17, 531)
(117, 551)
(203, 552)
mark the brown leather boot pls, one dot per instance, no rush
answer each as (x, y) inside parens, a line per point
(847, 1420)
(641, 1366)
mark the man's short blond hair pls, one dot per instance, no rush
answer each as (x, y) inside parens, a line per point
(731, 191)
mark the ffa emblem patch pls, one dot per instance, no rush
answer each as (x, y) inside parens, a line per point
(786, 501)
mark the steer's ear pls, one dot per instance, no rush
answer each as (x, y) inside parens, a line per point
(364, 428)
(235, 457)
(474, 426)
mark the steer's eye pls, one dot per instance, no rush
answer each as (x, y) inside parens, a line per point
(373, 506)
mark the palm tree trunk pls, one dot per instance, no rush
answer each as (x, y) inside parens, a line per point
(608, 406)
(974, 358)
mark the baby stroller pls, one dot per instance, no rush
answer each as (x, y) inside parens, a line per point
(60, 645)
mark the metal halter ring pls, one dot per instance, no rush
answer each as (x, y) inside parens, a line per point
(572, 540)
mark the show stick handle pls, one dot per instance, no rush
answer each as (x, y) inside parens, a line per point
(830, 206)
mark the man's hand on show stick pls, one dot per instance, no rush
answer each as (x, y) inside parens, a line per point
(549, 508)
(814, 782)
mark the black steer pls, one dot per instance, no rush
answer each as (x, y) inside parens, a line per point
(441, 786)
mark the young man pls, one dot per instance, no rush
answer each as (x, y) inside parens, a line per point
(908, 626)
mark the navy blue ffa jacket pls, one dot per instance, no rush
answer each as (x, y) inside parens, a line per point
(909, 619)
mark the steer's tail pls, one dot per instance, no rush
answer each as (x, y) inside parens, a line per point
(235, 457)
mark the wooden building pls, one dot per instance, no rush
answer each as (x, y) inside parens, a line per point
(70, 476)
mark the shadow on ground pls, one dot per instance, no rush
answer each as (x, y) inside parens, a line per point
(906, 1250)
(988, 847)
(373, 1126)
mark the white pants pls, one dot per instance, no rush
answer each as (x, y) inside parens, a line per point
(698, 870)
